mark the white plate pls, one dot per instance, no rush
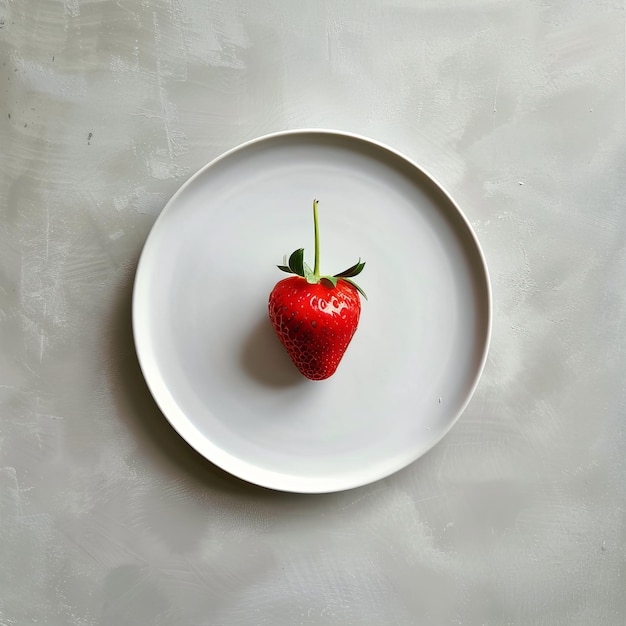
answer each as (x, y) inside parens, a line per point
(206, 346)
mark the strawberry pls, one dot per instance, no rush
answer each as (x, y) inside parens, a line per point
(314, 316)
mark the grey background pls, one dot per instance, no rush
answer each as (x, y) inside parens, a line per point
(517, 517)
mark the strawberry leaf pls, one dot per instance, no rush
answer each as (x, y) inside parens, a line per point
(309, 275)
(355, 270)
(331, 279)
(284, 268)
(296, 262)
(356, 287)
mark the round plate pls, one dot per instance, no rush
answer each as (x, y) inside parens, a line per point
(209, 354)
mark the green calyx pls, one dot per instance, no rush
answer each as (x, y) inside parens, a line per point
(297, 265)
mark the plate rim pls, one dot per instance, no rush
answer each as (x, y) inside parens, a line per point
(156, 394)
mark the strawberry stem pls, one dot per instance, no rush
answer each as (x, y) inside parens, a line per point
(316, 264)
(296, 265)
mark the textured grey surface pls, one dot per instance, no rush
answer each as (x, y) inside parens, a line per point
(516, 517)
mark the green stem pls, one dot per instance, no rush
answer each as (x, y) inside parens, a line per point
(316, 266)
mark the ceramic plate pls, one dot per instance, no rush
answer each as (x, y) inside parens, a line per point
(209, 354)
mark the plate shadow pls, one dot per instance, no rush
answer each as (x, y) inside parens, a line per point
(265, 360)
(136, 405)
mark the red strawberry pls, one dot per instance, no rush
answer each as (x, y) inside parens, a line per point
(315, 317)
